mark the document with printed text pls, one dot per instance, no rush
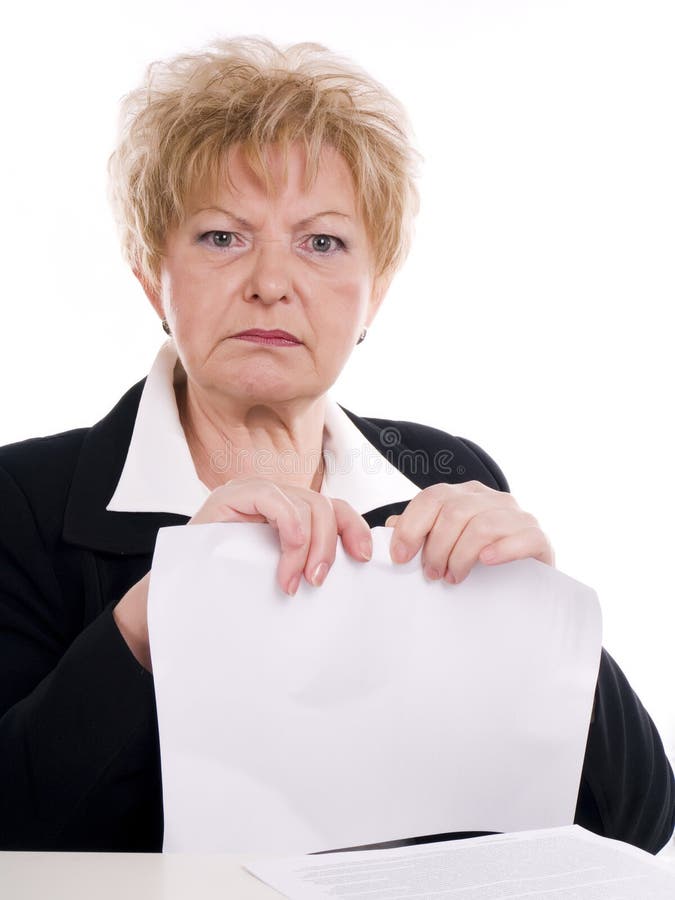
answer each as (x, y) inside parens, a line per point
(554, 864)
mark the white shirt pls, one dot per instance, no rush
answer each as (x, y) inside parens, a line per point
(159, 474)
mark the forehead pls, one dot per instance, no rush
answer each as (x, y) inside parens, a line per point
(286, 185)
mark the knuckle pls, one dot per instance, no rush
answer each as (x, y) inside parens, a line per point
(344, 509)
(452, 514)
(404, 533)
(541, 536)
(322, 504)
(341, 509)
(482, 527)
(531, 521)
(441, 490)
(349, 520)
(477, 527)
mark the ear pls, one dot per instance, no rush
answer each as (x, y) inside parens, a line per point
(380, 287)
(150, 293)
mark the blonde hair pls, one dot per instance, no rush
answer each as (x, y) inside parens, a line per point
(176, 129)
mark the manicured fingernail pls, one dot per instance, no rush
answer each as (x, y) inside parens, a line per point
(293, 585)
(399, 551)
(365, 549)
(319, 574)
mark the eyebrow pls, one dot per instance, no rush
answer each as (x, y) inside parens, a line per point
(244, 223)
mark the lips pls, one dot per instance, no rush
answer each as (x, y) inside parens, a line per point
(261, 332)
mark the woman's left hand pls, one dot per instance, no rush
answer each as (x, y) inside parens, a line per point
(461, 524)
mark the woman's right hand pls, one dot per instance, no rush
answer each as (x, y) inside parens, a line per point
(308, 524)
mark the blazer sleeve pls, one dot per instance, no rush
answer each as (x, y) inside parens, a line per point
(627, 789)
(76, 710)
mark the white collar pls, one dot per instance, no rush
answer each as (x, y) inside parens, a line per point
(159, 474)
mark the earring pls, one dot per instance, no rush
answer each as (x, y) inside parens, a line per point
(165, 326)
(363, 334)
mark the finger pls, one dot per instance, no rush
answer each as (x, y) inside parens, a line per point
(391, 521)
(230, 502)
(323, 538)
(294, 553)
(530, 542)
(330, 517)
(291, 515)
(450, 523)
(454, 504)
(256, 500)
(486, 529)
(354, 531)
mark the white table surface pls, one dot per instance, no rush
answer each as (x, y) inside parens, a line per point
(140, 876)
(127, 876)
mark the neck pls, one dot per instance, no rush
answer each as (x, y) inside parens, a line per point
(234, 439)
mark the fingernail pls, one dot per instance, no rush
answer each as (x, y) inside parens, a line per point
(399, 551)
(365, 549)
(432, 574)
(449, 577)
(293, 585)
(319, 574)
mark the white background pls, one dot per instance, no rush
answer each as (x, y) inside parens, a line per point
(533, 315)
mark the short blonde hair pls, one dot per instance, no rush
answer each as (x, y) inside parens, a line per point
(176, 129)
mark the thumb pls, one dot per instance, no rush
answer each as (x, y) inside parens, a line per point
(391, 521)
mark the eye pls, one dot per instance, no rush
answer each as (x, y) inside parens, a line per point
(219, 239)
(324, 243)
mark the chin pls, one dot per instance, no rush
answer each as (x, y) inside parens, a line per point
(264, 390)
(265, 381)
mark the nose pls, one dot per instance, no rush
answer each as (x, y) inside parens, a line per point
(269, 278)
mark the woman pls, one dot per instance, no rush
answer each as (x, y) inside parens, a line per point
(264, 200)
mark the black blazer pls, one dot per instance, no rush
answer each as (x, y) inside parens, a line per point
(79, 750)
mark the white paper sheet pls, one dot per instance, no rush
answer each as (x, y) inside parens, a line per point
(376, 707)
(555, 864)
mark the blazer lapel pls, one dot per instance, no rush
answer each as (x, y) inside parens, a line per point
(87, 522)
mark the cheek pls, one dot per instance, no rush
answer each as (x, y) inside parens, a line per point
(193, 298)
(343, 301)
